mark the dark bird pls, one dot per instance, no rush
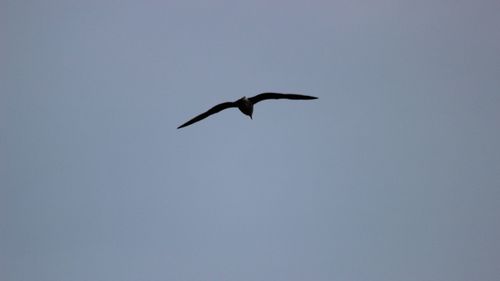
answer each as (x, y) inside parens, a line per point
(245, 105)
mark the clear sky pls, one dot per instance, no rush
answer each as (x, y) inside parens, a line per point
(392, 174)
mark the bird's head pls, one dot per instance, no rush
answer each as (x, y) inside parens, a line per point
(250, 111)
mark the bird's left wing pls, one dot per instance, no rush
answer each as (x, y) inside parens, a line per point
(209, 112)
(267, 96)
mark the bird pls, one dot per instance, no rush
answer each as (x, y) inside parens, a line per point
(245, 105)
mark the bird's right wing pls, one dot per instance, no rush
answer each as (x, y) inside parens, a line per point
(209, 112)
(267, 96)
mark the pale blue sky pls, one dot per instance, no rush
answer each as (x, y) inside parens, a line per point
(392, 174)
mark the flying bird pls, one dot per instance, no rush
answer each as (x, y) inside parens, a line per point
(245, 105)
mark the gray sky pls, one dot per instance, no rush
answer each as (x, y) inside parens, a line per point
(392, 174)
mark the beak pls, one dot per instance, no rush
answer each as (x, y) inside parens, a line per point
(251, 117)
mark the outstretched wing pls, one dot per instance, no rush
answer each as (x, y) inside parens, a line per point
(209, 112)
(267, 96)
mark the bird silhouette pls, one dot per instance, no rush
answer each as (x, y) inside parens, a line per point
(245, 105)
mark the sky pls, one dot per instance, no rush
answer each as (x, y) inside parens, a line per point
(393, 173)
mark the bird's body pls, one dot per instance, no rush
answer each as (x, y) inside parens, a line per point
(245, 105)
